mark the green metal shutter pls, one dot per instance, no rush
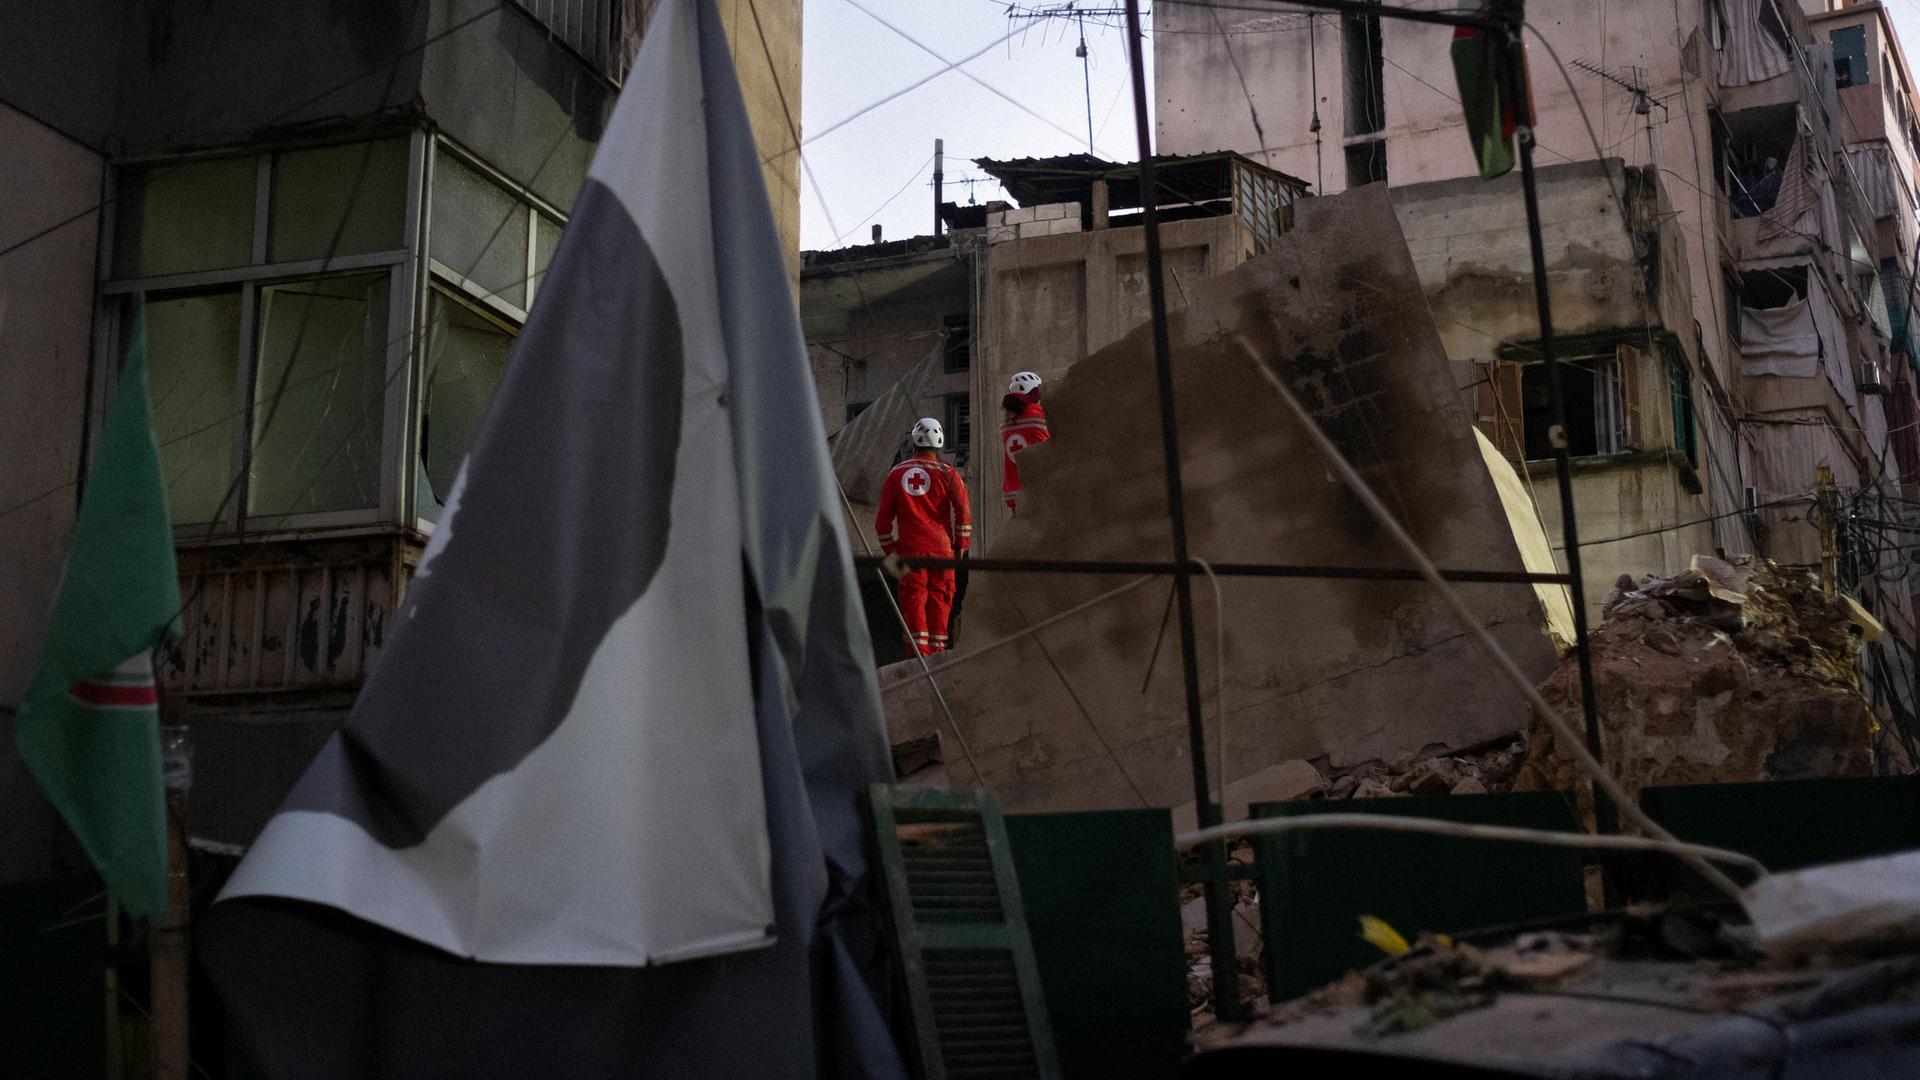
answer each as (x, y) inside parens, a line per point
(954, 900)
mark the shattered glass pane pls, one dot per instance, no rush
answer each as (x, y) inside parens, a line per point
(323, 349)
(466, 355)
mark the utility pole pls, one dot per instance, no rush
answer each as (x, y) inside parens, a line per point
(1829, 501)
(939, 180)
(168, 949)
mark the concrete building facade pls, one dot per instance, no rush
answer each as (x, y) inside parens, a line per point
(1730, 107)
(335, 219)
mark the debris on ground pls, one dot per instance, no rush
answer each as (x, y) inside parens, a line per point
(1727, 671)
(1248, 941)
(1665, 990)
(1476, 770)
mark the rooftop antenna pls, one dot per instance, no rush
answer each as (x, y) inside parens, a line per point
(1079, 16)
(1633, 81)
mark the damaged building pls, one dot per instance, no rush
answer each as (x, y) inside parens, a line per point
(1774, 151)
(1731, 290)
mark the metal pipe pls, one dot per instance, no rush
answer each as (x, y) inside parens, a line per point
(939, 180)
(1226, 969)
(1604, 814)
(1257, 570)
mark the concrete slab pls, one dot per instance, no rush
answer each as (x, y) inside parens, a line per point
(1348, 670)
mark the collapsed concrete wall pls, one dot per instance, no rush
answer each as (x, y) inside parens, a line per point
(1082, 714)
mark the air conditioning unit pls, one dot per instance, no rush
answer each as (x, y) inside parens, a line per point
(1870, 378)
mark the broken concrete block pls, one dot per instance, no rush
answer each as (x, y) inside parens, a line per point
(1684, 701)
(1284, 782)
(1469, 785)
(1350, 670)
(1193, 915)
(1434, 777)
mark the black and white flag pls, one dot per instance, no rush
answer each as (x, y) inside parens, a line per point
(594, 812)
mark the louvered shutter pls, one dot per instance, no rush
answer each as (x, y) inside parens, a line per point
(954, 900)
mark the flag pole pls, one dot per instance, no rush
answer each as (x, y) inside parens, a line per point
(167, 948)
(116, 1066)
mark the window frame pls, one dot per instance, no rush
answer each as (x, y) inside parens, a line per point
(235, 524)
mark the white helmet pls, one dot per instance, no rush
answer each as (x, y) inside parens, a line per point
(1025, 382)
(928, 435)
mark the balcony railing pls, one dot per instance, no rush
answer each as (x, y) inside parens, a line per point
(591, 28)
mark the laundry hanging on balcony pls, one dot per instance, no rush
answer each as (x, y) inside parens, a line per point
(1752, 48)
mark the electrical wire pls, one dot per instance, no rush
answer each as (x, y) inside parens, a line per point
(1697, 853)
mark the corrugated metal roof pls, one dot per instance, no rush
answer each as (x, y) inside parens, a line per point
(1181, 178)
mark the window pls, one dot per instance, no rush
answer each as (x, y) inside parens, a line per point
(1595, 405)
(318, 396)
(1364, 62)
(487, 240)
(269, 380)
(1759, 145)
(1850, 67)
(1367, 163)
(1680, 396)
(467, 352)
(958, 342)
(959, 425)
(193, 368)
(179, 218)
(338, 200)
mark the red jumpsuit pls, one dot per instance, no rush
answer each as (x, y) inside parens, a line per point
(924, 511)
(1029, 426)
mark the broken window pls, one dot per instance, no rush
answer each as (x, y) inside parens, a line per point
(1367, 163)
(957, 345)
(1365, 87)
(1850, 67)
(1601, 417)
(959, 425)
(317, 395)
(466, 356)
(193, 369)
(1759, 144)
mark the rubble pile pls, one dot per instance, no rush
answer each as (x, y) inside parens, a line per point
(1725, 672)
(1477, 770)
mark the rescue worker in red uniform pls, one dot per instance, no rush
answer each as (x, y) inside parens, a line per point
(924, 511)
(1026, 424)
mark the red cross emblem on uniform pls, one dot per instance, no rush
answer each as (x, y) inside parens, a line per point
(1016, 443)
(916, 481)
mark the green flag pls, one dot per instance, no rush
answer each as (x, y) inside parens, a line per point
(89, 727)
(1493, 105)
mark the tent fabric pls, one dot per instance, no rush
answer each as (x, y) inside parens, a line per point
(1750, 54)
(1875, 171)
(1530, 535)
(595, 811)
(1780, 341)
(864, 449)
(1799, 340)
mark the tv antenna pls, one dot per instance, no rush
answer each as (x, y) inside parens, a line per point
(1072, 12)
(1633, 81)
